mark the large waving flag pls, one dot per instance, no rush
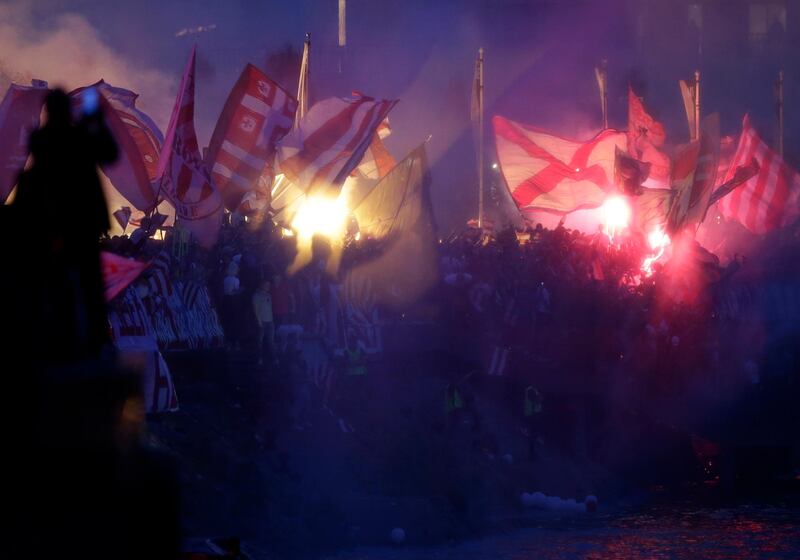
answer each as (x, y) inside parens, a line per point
(139, 139)
(771, 198)
(646, 137)
(257, 114)
(547, 172)
(398, 212)
(19, 115)
(693, 192)
(377, 161)
(330, 141)
(184, 177)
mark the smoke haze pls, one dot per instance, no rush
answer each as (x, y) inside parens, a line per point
(540, 57)
(67, 51)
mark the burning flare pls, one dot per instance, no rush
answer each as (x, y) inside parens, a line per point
(323, 216)
(320, 216)
(658, 240)
(616, 216)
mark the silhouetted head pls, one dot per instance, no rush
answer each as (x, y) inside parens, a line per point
(58, 108)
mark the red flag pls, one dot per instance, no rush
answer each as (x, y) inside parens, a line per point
(645, 136)
(257, 114)
(331, 140)
(548, 172)
(139, 140)
(641, 124)
(769, 200)
(184, 178)
(19, 115)
(118, 273)
(727, 149)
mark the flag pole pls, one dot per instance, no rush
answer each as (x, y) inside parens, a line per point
(697, 104)
(279, 184)
(601, 73)
(302, 85)
(779, 107)
(342, 30)
(480, 138)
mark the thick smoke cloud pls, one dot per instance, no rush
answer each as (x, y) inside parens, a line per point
(66, 50)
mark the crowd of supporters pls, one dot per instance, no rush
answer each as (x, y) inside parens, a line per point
(556, 298)
(563, 291)
(544, 312)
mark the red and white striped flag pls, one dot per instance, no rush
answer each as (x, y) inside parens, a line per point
(693, 193)
(19, 115)
(330, 141)
(377, 161)
(184, 177)
(257, 114)
(139, 140)
(548, 172)
(769, 200)
(727, 149)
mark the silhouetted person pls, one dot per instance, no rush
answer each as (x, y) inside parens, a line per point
(81, 475)
(61, 206)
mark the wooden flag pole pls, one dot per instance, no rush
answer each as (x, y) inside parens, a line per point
(779, 107)
(480, 138)
(697, 104)
(302, 85)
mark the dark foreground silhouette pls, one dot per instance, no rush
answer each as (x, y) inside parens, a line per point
(82, 485)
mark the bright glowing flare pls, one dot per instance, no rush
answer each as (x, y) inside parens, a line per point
(323, 216)
(616, 216)
(658, 241)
